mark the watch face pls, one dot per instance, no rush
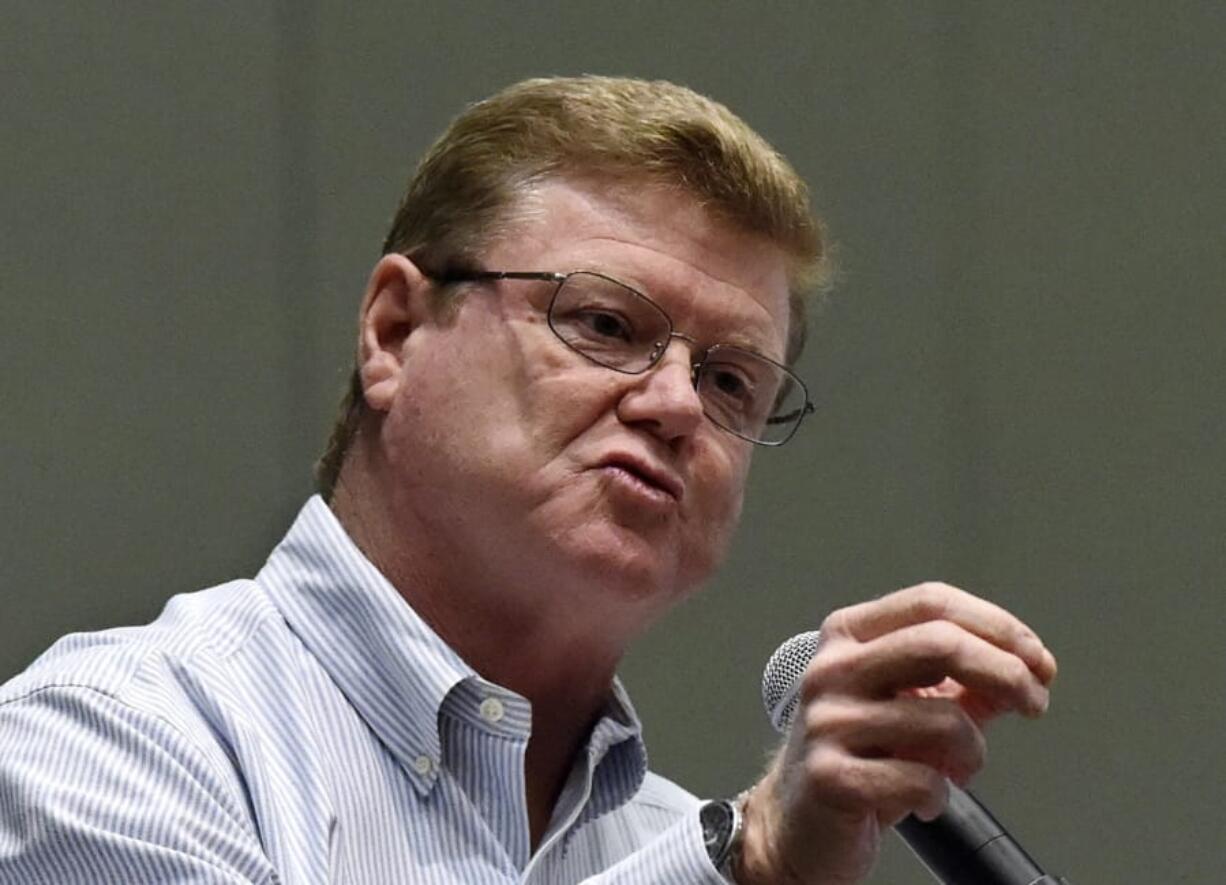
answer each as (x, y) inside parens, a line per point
(717, 820)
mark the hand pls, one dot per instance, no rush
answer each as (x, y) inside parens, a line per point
(893, 703)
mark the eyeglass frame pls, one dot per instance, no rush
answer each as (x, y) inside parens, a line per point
(659, 349)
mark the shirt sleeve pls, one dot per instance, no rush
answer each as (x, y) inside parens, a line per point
(676, 855)
(93, 790)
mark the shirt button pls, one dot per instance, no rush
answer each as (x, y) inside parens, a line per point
(491, 710)
(423, 764)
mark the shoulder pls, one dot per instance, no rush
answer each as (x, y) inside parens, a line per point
(94, 789)
(209, 624)
(107, 740)
(161, 684)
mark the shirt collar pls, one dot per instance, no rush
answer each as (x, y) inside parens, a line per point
(617, 756)
(391, 666)
(386, 660)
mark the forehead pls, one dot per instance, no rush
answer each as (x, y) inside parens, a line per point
(718, 283)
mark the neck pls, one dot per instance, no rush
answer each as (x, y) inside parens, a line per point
(522, 633)
(525, 637)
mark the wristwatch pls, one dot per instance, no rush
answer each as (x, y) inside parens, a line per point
(722, 826)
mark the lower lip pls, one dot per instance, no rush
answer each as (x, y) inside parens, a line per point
(634, 485)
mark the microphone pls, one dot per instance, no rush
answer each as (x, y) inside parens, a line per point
(965, 845)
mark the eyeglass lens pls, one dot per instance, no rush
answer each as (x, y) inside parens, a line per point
(615, 326)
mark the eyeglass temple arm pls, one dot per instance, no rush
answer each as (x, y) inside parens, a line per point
(475, 275)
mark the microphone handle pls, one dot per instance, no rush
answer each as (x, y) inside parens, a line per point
(967, 846)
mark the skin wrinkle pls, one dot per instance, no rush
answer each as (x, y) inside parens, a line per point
(744, 331)
(697, 290)
(503, 524)
(731, 315)
(585, 247)
(748, 325)
(484, 455)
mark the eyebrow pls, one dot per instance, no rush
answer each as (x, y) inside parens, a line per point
(753, 345)
(734, 338)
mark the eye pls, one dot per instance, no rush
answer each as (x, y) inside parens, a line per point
(604, 325)
(730, 383)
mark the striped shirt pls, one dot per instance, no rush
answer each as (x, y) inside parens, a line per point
(308, 727)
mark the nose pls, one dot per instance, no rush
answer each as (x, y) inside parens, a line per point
(663, 399)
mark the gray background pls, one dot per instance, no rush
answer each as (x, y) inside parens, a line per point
(1021, 374)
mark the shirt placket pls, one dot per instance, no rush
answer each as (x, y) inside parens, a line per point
(485, 731)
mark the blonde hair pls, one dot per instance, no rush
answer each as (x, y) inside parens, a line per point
(474, 179)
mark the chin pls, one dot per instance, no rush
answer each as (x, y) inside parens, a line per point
(626, 565)
(620, 553)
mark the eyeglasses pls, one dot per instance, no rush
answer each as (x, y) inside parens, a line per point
(620, 328)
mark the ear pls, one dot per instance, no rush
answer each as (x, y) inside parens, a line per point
(393, 306)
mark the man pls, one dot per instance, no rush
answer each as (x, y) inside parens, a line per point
(576, 336)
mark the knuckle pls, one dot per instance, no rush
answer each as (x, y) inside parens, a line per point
(823, 671)
(932, 600)
(958, 747)
(814, 681)
(835, 624)
(1017, 672)
(824, 767)
(968, 740)
(934, 792)
(980, 757)
(836, 779)
(938, 784)
(925, 793)
(941, 641)
(921, 791)
(952, 722)
(828, 719)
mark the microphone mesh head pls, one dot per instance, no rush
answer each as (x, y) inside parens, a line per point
(781, 678)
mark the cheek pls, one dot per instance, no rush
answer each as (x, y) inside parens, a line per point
(567, 400)
(453, 417)
(727, 462)
(469, 382)
(716, 513)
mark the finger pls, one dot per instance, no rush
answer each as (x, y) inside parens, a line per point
(935, 602)
(935, 732)
(925, 655)
(888, 789)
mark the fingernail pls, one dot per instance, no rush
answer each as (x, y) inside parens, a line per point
(1043, 703)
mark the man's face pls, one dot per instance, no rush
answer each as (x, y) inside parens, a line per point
(537, 471)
